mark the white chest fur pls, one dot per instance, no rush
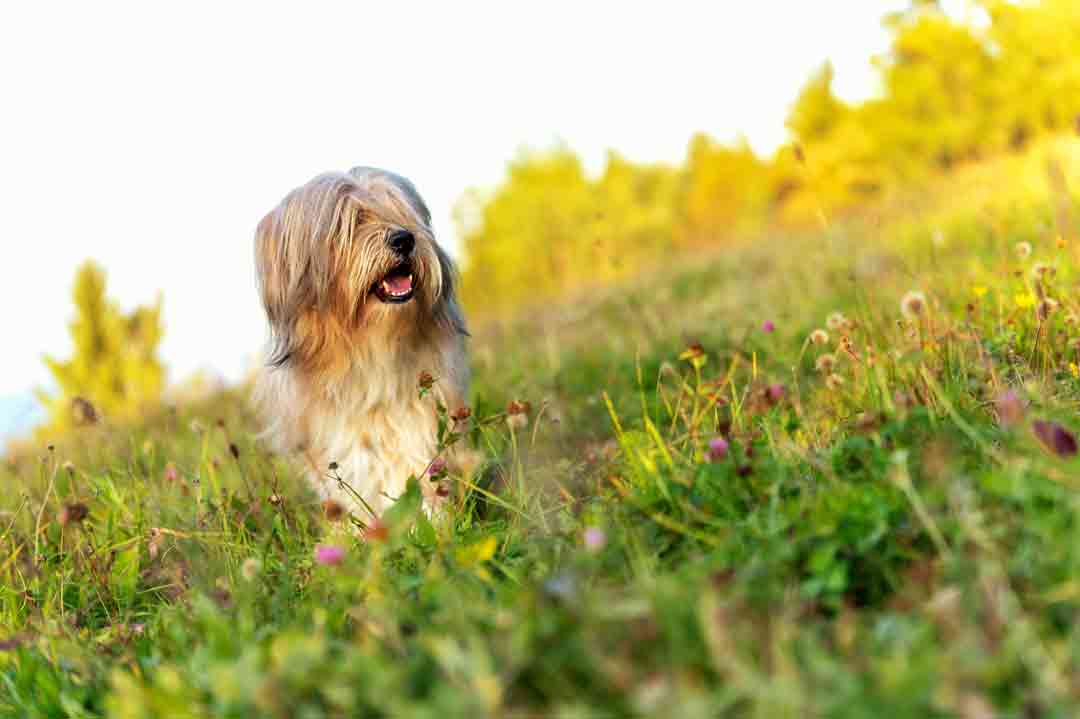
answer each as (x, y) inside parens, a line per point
(376, 448)
(369, 420)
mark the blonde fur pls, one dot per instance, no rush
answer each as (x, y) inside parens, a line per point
(341, 380)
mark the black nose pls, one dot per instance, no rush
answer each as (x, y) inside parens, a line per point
(401, 241)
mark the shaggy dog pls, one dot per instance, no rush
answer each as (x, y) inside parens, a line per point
(360, 301)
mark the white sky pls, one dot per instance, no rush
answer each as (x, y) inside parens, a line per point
(153, 138)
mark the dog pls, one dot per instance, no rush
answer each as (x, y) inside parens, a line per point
(360, 301)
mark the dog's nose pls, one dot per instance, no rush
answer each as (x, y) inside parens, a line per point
(401, 241)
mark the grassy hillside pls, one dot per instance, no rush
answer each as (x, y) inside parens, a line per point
(831, 475)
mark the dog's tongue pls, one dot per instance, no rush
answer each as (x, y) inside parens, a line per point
(398, 285)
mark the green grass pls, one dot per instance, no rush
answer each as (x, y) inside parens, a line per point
(895, 541)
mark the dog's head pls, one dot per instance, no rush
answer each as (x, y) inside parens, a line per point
(348, 254)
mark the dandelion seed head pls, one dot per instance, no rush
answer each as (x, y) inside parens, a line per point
(913, 304)
(1042, 271)
(825, 363)
(1046, 307)
(250, 569)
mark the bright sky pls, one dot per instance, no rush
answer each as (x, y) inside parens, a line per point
(152, 137)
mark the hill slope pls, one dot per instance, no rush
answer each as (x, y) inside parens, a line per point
(829, 475)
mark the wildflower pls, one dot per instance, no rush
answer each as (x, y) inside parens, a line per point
(768, 327)
(72, 514)
(377, 532)
(1046, 308)
(1025, 300)
(849, 348)
(437, 468)
(819, 337)
(775, 392)
(1023, 250)
(561, 586)
(913, 304)
(461, 414)
(426, 381)
(1010, 408)
(1060, 242)
(1055, 438)
(868, 422)
(594, 539)
(834, 382)
(1041, 271)
(468, 461)
(333, 510)
(250, 569)
(718, 449)
(332, 467)
(153, 547)
(979, 290)
(517, 414)
(825, 363)
(329, 554)
(695, 355)
(836, 321)
(1074, 370)
(83, 412)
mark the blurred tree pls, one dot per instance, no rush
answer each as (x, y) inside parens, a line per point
(114, 369)
(1037, 73)
(549, 228)
(938, 100)
(817, 112)
(953, 89)
(726, 187)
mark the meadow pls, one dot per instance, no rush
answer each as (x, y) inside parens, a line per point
(827, 473)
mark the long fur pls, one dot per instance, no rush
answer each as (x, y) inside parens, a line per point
(341, 378)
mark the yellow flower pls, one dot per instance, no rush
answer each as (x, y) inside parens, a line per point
(1025, 300)
(979, 290)
(1074, 370)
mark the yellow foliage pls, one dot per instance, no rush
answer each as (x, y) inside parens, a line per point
(954, 92)
(114, 369)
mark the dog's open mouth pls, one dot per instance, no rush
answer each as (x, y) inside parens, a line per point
(397, 286)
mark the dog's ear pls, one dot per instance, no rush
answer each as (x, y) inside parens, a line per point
(298, 255)
(447, 311)
(281, 283)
